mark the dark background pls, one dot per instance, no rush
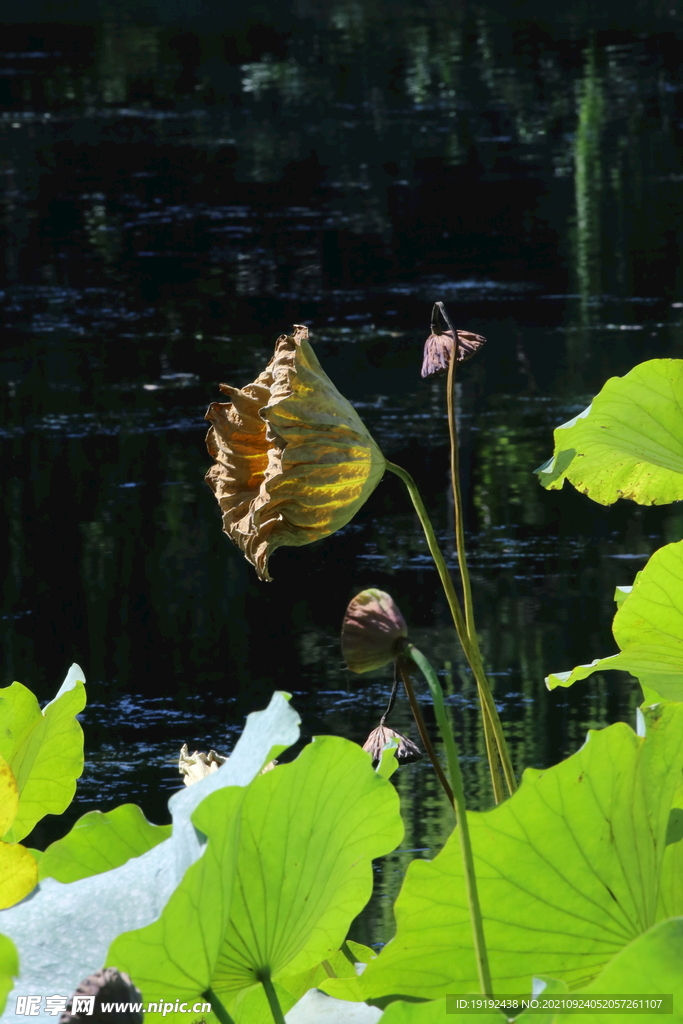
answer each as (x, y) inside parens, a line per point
(179, 183)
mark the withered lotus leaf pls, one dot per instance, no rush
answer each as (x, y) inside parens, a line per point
(406, 752)
(372, 627)
(438, 350)
(294, 461)
(195, 767)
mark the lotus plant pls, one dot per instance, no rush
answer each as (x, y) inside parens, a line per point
(374, 633)
(294, 463)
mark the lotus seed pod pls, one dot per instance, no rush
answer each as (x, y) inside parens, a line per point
(107, 986)
(372, 631)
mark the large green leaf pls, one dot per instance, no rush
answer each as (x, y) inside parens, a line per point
(9, 968)
(435, 1013)
(18, 869)
(251, 1006)
(648, 627)
(44, 749)
(651, 965)
(629, 442)
(282, 899)
(569, 871)
(671, 889)
(99, 842)
(63, 932)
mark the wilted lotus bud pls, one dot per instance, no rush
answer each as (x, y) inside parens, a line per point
(294, 461)
(439, 346)
(107, 986)
(372, 630)
(439, 349)
(195, 767)
(406, 752)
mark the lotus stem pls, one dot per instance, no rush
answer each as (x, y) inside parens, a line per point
(421, 727)
(459, 520)
(217, 1007)
(271, 996)
(392, 698)
(480, 951)
(455, 481)
(470, 648)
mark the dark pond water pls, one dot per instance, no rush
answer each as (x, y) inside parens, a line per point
(177, 189)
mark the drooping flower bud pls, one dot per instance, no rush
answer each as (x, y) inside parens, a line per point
(406, 752)
(438, 350)
(372, 630)
(439, 346)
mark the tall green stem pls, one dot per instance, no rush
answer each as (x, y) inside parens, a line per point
(480, 951)
(471, 649)
(217, 1007)
(489, 730)
(457, 497)
(271, 996)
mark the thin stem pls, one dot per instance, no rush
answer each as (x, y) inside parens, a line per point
(271, 996)
(217, 1007)
(492, 752)
(346, 950)
(392, 698)
(471, 649)
(459, 521)
(457, 496)
(480, 951)
(421, 727)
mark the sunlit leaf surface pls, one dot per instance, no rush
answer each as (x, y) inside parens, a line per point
(650, 965)
(569, 872)
(629, 442)
(287, 868)
(9, 968)
(135, 894)
(18, 869)
(44, 749)
(99, 842)
(434, 1013)
(648, 627)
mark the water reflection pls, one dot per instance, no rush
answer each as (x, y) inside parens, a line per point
(174, 197)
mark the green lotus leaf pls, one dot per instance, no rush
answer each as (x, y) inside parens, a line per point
(287, 868)
(18, 870)
(435, 1013)
(671, 889)
(44, 749)
(135, 894)
(650, 965)
(569, 872)
(628, 443)
(648, 628)
(251, 1006)
(9, 968)
(99, 842)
